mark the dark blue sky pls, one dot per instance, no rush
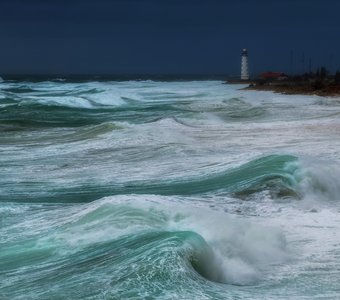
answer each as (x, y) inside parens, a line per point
(167, 36)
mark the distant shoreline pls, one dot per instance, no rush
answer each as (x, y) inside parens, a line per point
(297, 89)
(320, 83)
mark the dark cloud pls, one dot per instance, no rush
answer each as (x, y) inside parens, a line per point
(166, 36)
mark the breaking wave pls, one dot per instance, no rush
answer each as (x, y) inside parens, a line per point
(176, 243)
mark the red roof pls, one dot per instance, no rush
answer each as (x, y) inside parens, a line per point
(268, 75)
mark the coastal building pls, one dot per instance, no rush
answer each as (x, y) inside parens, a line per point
(274, 76)
(244, 65)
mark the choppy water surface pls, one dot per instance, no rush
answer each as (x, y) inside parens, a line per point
(167, 190)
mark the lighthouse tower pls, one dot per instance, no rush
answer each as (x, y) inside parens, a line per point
(244, 65)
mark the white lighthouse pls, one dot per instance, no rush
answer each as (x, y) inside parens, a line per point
(244, 65)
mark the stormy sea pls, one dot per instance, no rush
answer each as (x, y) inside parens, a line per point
(167, 190)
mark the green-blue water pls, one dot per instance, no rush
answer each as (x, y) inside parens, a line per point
(167, 190)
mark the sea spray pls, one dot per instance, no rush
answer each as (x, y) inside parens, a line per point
(167, 190)
(119, 231)
(320, 179)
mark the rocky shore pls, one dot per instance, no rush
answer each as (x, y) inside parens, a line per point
(308, 84)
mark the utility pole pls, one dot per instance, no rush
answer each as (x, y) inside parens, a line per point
(291, 62)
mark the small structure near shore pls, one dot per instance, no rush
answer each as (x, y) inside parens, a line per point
(274, 76)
